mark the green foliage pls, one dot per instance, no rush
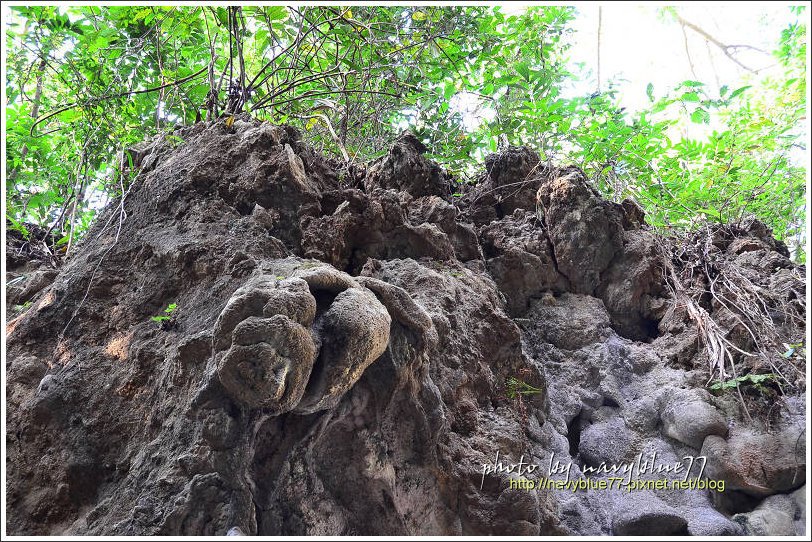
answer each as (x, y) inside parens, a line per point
(83, 83)
(15, 225)
(173, 140)
(757, 381)
(518, 388)
(21, 308)
(167, 314)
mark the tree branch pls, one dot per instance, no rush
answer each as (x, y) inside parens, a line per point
(728, 50)
(120, 95)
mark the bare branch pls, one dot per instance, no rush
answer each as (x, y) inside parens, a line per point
(728, 50)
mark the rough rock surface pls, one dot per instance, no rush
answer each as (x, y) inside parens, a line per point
(343, 358)
(30, 265)
(689, 418)
(778, 515)
(646, 515)
(405, 169)
(758, 463)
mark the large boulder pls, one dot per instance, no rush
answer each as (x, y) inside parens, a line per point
(644, 514)
(756, 463)
(272, 332)
(777, 515)
(608, 442)
(354, 332)
(555, 317)
(689, 418)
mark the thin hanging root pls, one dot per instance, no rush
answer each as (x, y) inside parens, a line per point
(712, 338)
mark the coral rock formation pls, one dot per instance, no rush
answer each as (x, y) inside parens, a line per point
(348, 360)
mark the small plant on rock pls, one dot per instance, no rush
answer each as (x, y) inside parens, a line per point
(757, 381)
(518, 388)
(166, 316)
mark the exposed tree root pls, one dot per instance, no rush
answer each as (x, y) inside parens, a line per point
(743, 326)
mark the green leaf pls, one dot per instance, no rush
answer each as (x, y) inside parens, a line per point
(222, 16)
(700, 116)
(276, 13)
(167, 314)
(738, 91)
(650, 92)
(18, 226)
(523, 70)
(449, 90)
(71, 115)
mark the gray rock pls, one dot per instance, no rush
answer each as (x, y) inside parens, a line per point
(269, 363)
(643, 415)
(31, 285)
(632, 287)
(374, 224)
(247, 301)
(400, 305)
(292, 299)
(609, 441)
(638, 514)
(520, 260)
(556, 321)
(759, 464)
(799, 496)
(404, 168)
(268, 341)
(708, 522)
(28, 370)
(586, 232)
(688, 418)
(775, 516)
(354, 332)
(511, 179)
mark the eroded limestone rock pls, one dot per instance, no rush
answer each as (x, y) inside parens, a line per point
(689, 418)
(585, 230)
(288, 397)
(272, 332)
(405, 168)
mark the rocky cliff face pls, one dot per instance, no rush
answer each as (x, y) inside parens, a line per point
(349, 355)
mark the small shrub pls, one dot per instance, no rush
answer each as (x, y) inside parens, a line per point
(518, 388)
(167, 314)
